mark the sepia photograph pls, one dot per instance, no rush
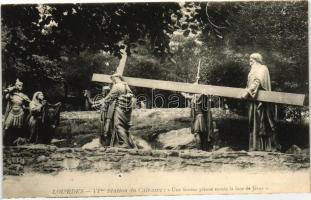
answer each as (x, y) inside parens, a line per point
(129, 99)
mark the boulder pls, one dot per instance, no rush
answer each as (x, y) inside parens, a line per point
(142, 144)
(224, 149)
(154, 125)
(177, 139)
(42, 158)
(95, 143)
(294, 149)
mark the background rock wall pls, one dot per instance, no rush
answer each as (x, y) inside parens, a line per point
(161, 128)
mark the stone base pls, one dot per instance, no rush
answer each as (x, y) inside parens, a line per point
(50, 159)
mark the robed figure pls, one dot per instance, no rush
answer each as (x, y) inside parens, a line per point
(202, 121)
(14, 117)
(116, 115)
(35, 118)
(262, 126)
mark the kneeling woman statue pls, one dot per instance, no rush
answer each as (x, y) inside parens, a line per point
(35, 118)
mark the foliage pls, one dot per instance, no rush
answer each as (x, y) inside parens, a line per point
(46, 44)
(278, 30)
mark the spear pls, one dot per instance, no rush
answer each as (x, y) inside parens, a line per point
(198, 72)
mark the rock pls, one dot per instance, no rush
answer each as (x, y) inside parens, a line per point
(52, 148)
(42, 159)
(173, 153)
(53, 141)
(177, 139)
(294, 149)
(141, 143)
(57, 157)
(82, 139)
(95, 143)
(224, 149)
(80, 128)
(131, 159)
(59, 142)
(70, 163)
(85, 165)
(306, 151)
(64, 150)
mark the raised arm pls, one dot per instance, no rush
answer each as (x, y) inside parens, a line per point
(86, 94)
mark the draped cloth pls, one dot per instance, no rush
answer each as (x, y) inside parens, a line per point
(116, 116)
(261, 122)
(35, 120)
(14, 118)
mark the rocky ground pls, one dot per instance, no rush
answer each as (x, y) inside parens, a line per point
(164, 140)
(50, 171)
(169, 129)
(166, 147)
(52, 160)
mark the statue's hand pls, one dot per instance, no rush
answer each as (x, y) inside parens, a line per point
(44, 102)
(123, 52)
(244, 94)
(9, 89)
(85, 93)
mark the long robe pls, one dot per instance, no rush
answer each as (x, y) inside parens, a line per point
(117, 110)
(35, 122)
(262, 135)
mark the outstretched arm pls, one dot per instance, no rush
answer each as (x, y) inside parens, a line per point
(88, 98)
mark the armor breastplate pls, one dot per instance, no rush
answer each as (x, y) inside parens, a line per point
(17, 100)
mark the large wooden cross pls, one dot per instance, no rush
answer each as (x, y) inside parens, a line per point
(230, 92)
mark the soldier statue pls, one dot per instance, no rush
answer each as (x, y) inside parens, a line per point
(14, 116)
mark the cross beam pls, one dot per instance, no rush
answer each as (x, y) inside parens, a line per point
(231, 92)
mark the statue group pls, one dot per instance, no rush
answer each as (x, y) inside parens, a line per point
(33, 121)
(28, 121)
(116, 113)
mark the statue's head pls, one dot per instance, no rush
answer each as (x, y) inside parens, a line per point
(116, 78)
(105, 89)
(255, 58)
(38, 96)
(19, 85)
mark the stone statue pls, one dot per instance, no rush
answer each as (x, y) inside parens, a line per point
(14, 116)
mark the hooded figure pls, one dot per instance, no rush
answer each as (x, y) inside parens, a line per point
(261, 122)
(35, 120)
